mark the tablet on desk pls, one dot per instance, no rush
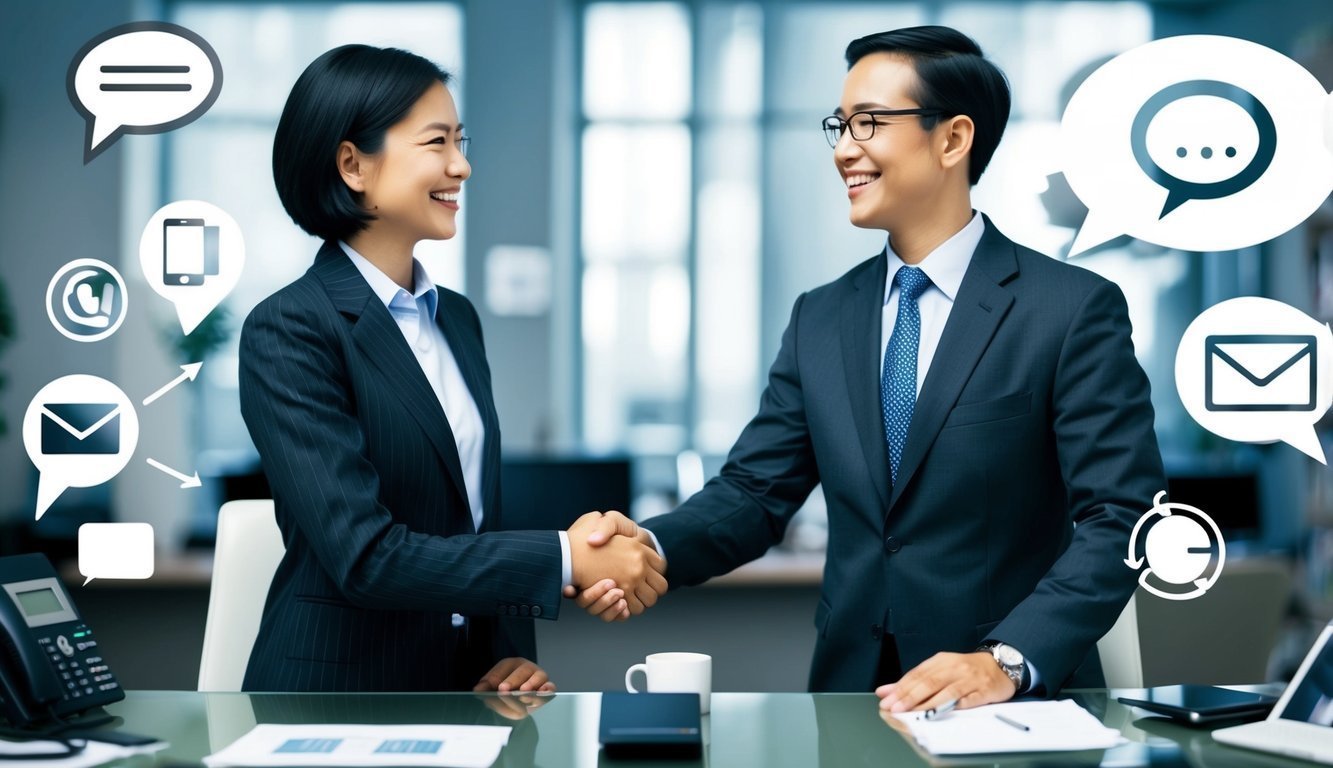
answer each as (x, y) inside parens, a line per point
(1200, 704)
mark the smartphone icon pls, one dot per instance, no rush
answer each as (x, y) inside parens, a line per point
(184, 252)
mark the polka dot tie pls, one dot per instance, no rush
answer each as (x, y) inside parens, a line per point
(897, 385)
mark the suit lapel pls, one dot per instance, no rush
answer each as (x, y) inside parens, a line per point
(378, 338)
(978, 309)
(861, 323)
(471, 359)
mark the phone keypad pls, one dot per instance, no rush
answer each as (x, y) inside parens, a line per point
(75, 657)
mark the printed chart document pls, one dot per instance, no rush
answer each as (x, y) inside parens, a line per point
(444, 746)
(1052, 726)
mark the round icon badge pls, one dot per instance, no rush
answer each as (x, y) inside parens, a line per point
(1179, 548)
(86, 300)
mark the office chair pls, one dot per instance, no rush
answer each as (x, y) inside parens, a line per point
(249, 547)
(1122, 656)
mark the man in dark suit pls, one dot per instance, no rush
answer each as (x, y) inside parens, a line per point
(973, 410)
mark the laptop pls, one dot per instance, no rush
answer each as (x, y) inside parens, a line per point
(1301, 723)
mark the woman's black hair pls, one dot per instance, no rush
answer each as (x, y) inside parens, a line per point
(351, 93)
(954, 77)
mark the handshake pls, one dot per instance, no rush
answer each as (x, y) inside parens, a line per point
(616, 569)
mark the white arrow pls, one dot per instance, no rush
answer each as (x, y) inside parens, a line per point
(187, 481)
(191, 371)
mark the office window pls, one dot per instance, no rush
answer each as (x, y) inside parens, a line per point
(636, 226)
(710, 200)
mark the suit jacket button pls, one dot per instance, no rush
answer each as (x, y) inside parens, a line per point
(892, 544)
(513, 610)
(876, 632)
(536, 610)
(500, 610)
(524, 610)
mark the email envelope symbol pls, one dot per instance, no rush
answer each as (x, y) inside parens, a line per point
(1260, 372)
(80, 428)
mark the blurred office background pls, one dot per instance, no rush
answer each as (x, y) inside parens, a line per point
(650, 194)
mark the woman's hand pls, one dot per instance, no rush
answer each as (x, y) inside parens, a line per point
(515, 675)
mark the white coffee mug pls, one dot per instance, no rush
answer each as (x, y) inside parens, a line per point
(676, 673)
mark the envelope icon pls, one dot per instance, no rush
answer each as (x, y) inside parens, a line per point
(1260, 372)
(80, 428)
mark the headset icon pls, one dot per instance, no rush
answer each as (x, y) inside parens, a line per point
(1177, 536)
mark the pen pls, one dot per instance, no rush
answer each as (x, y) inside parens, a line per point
(941, 710)
(1014, 723)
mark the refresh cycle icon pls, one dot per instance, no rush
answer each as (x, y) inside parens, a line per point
(1181, 544)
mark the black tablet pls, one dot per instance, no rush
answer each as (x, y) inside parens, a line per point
(1197, 704)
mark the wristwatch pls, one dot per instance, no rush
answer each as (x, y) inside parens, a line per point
(1010, 660)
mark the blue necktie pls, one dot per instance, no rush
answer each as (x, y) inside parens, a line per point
(897, 384)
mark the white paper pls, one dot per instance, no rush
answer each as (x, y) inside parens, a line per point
(1053, 726)
(95, 753)
(443, 746)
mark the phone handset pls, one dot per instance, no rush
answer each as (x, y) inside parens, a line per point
(28, 682)
(92, 311)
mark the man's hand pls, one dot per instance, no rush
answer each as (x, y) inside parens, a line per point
(971, 678)
(517, 675)
(612, 548)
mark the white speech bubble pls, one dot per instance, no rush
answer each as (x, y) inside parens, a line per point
(79, 431)
(192, 254)
(115, 551)
(1237, 83)
(1256, 370)
(144, 77)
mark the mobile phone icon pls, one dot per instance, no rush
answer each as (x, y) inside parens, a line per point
(184, 252)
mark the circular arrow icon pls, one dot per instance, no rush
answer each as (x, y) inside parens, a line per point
(1178, 548)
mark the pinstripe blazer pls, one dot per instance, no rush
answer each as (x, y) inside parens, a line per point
(370, 499)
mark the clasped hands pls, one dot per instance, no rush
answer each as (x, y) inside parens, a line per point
(617, 572)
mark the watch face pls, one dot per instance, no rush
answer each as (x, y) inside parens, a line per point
(1008, 655)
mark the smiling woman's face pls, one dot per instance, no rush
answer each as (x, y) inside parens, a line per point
(412, 185)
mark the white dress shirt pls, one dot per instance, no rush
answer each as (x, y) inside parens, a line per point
(415, 315)
(945, 266)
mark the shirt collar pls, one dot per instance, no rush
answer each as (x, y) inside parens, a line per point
(390, 293)
(946, 265)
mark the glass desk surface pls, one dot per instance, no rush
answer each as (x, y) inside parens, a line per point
(774, 730)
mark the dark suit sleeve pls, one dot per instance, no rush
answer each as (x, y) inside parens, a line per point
(1111, 467)
(296, 400)
(769, 473)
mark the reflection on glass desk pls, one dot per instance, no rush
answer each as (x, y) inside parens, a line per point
(774, 730)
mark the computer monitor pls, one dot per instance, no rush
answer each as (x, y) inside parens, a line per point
(1230, 499)
(550, 493)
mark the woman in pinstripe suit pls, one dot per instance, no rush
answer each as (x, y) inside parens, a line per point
(367, 393)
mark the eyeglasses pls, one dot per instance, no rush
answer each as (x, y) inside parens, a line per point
(863, 123)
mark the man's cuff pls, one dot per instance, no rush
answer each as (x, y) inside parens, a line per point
(656, 545)
(1034, 678)
(566, 564)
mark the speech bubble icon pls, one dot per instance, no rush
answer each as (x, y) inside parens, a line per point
(1197, 142)
(192, 254)
(1234, 134)
(115, 551)
(1257, 370)
(79, 431)
(144, 77)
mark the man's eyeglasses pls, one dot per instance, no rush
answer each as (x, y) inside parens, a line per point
(863, 124)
